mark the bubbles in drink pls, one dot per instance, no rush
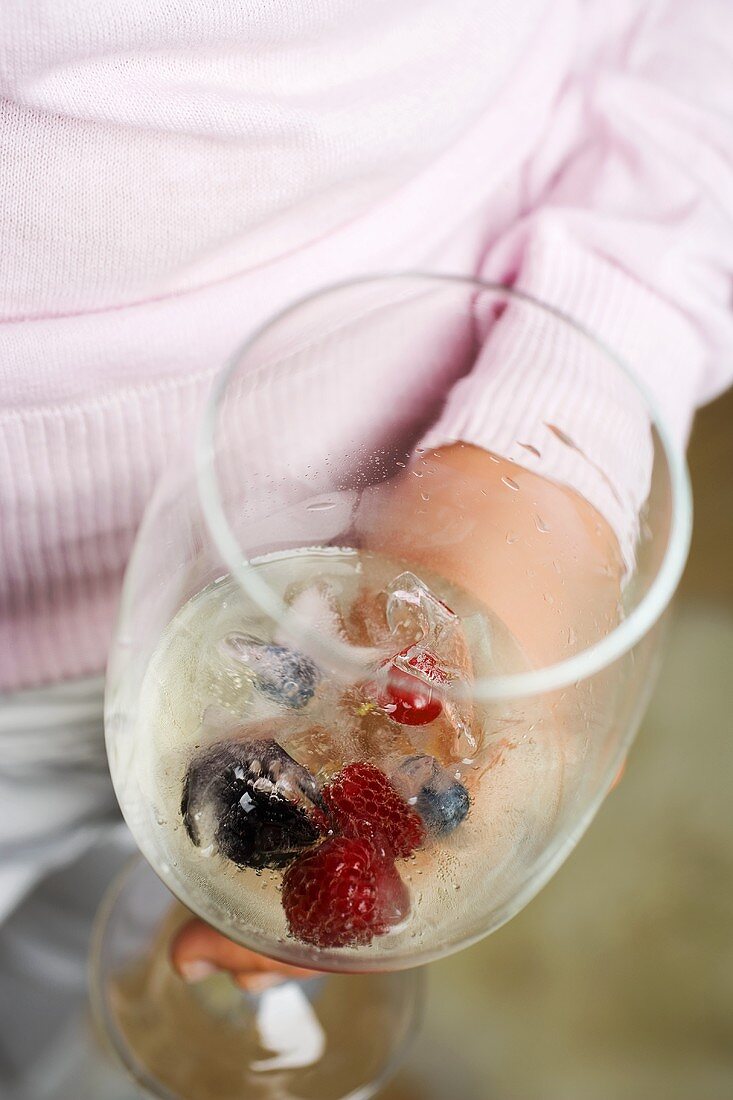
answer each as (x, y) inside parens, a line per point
(332, 816)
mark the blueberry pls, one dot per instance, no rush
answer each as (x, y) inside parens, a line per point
(443, 810)
(280, 673)
(440, 799)
(253, 800)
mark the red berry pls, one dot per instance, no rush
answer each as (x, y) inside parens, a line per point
(343, 894)
(364, 803)
(408, 699)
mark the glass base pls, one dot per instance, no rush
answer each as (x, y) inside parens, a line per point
(331, 1037)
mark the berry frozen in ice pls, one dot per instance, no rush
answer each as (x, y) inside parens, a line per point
(408, 687)
(279, 672)
(343, 894)
(407, 699)
(362, 802)
(257, 805)
(441, 800)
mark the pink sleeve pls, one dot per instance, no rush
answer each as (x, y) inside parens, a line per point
(629, 230)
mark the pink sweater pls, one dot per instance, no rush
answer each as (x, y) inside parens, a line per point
(173, 171)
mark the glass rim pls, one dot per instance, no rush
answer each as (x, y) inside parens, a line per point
(551, 677)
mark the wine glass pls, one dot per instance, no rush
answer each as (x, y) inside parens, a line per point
(213, 1041)
(284, 688)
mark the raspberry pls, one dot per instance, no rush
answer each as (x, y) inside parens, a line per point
(343, 894)
(363, 802)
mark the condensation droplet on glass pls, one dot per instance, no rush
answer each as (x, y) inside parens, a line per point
(572, 638)
(425, 496)
(510, 483)
(529, 447)
(548, 598)
(541, 525)
(512, 538)
(417, 473)
(493, 458)
(556, 567)
(402, 464)
(561, 435)
(321, 505)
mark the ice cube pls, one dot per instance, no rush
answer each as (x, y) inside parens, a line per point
(366, 622)
(316, 605)
(251, 800)
(435, 792)
(416, 616)
(278, 672)
(440, 656)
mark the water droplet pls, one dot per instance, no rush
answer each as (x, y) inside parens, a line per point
(512, 538)
(402, 464)
(320, 505)
(529, 447)
(417, 473)
(510, 483)
(425, 496)
(541, 525)
(548, 598)
(561, 435)
(493, 458)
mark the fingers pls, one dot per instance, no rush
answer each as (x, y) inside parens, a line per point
(199, 950)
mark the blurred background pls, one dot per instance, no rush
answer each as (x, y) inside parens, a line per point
(616, 983)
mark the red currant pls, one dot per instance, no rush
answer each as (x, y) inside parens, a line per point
(408, 699)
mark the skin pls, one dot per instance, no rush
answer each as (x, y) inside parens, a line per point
(538, 555)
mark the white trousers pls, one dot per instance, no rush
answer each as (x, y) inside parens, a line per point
(61, 842)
